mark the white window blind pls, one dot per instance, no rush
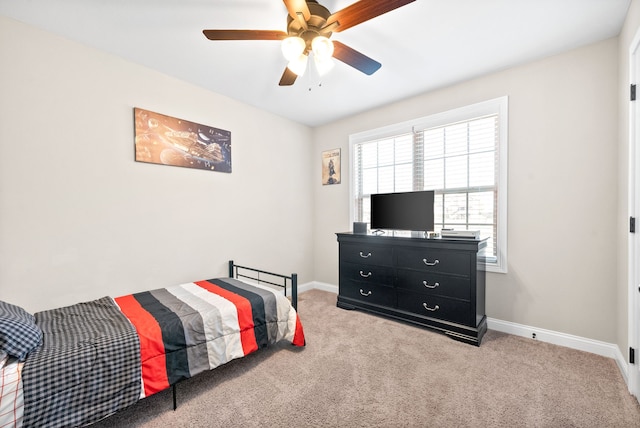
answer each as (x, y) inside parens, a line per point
(461, 155)
(384, 166)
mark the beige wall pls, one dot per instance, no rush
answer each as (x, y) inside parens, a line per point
(563, 124)
(629, 31)
(79, 219)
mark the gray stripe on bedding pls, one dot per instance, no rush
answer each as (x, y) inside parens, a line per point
(193, 328)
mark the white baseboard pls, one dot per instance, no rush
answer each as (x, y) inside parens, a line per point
(318, 286)
(604, 349)
(597, 347)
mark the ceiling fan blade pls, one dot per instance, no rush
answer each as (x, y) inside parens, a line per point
(288, 77)
(362, 11)
(354, 58)
(244, 34)
(298, 6)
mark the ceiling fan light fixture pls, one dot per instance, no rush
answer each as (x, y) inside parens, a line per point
(322, 48)
(299, 64)
(293, 48)
(309, 27)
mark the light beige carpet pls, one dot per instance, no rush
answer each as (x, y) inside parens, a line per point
(360, 370)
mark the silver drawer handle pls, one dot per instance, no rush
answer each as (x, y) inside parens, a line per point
(368, 293)
(429, 263)
(426, 284)
(435, 308)
(365, 276)
(363, 256)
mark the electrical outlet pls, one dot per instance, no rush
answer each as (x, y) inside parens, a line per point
(533, 336)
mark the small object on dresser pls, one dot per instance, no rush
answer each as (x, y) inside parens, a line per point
(360, 228)
(460, 234)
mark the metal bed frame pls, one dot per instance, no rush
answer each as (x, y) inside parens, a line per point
(236, 271)
(279, 280)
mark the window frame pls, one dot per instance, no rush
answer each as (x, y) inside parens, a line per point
(499, 106)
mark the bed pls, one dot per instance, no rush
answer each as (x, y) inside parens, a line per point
(76, 365)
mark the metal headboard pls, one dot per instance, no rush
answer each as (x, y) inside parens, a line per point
(237, 271)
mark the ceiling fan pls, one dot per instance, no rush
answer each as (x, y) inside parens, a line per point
(309, 27)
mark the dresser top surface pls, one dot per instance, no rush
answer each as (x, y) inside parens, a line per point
(404, 239)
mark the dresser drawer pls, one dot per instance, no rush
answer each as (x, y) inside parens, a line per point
(366, 253)
(368, 274)
(434, 284)
(434, 260)
(435, 307)
(368, 293)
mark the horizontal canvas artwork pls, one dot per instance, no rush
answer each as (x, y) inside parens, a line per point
(166, 140)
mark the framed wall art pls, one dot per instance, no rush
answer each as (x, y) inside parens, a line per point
(331, 167)
(166, 140)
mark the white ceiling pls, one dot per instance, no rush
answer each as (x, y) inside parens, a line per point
(422, 46)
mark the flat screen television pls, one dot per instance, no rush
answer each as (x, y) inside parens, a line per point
(402, 211)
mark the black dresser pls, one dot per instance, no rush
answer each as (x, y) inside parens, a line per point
(435, 283)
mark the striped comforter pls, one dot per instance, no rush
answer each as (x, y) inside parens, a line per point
(193, 327)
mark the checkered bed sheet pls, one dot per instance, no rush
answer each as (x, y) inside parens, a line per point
(87, 368)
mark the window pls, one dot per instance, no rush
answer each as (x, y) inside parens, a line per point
(460, 154)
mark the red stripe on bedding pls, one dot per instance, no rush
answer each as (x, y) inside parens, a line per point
(245, 315)
(154, 364)
(298, 337)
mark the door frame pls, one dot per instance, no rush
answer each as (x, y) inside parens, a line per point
(633, 240)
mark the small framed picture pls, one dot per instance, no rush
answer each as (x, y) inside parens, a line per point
(331, 167)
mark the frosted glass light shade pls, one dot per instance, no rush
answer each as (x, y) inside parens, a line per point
(299, 64)
(323, 65)
(293, 47)
(322, 48)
